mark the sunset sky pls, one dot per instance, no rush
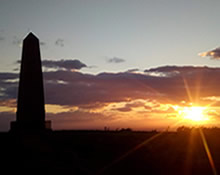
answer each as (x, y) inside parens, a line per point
(141, 64)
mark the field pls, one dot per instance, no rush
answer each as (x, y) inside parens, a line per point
(111, 152)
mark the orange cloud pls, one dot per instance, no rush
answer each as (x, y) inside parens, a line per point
(126, 99)
(214, 54)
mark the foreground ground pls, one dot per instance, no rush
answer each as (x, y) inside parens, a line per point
(96, 152)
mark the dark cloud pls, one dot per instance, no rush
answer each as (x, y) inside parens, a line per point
(124, 109)
(75, 88)
(115, 60)
(88, 92)
(130, 105)
(43, 43)
(132, 70)
(81, 89)
(7, 76)
(59, 42)
(8, 85)
(179, 69)
(213, 54)
(64, 64)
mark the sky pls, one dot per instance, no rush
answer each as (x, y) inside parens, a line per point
(117, 61)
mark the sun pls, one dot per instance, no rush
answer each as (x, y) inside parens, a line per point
(194, 113)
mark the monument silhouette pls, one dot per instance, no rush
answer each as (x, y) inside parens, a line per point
(30, 103)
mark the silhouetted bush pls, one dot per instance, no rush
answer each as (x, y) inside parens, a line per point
(183, 129)
(125, 130)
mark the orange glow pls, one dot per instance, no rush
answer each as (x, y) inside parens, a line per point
(194, 113)
(50, 108)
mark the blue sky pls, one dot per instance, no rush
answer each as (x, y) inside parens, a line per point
(144, 33)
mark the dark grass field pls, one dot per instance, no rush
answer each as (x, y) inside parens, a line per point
(109, 152)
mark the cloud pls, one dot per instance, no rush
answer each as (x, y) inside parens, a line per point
(42, 43)
(101, 96)
(178, 69)
(64, 64)
(115, 60)
(79, 89)
(133, 70)
(8, 85)
(130, 105)
(213, 54)
(7, 76)
(84, 89)
(59, 42)
(11, 103)
(124, 109)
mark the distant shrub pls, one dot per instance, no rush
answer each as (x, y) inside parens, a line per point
(183, 129)
(125, 130)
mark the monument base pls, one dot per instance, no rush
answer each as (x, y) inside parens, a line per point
(30, 126)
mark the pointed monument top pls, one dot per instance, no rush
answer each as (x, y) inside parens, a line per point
(30, 104)
(30, 36)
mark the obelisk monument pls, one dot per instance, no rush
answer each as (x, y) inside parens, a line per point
(30, 102)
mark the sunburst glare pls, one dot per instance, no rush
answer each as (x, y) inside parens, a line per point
(194, 113)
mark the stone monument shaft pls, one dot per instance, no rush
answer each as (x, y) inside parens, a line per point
(30, 107)
(30, 103)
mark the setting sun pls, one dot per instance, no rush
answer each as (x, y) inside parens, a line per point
(194, 113)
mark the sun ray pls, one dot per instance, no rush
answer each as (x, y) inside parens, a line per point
(151, 89)
(209, 155)
(128, 153)
(190, 151)
(187, 89)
